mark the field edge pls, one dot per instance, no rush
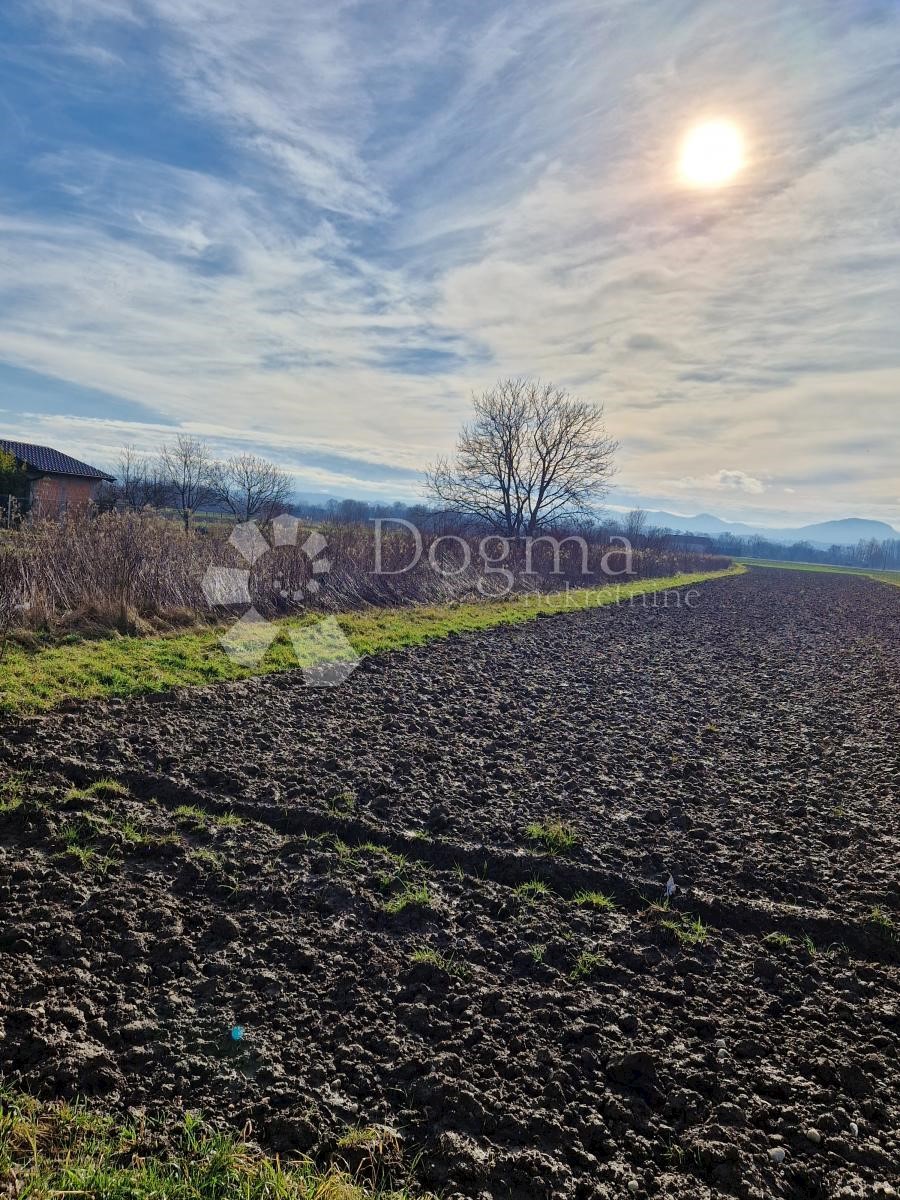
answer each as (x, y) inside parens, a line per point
(70, 1148)
(121, 667)
(890, 577)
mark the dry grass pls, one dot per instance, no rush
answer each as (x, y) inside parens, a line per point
(137, 573)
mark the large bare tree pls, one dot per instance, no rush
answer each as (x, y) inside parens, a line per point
(532, 456)
(251, 487)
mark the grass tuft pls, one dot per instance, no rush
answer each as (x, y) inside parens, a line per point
(444, 962)
(345, 802)
(882, 921)
(586, 964)
(106, 789)
(376, 1139)
(778, 941)
(228, 820)
(78, 848)
(208, 858)
(411, 897)
(532, 890)
(12, 793)
(556, 837)
(100, 789)
(595, 900)
(687, 932)
(191, 814)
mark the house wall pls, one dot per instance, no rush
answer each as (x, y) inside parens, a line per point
(55, 494)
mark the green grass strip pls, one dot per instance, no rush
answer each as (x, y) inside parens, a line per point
(36, 679)
(49, 1150)
(892, 577)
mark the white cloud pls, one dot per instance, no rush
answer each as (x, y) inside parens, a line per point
(723, 480)
(738, 481)
(499, 185)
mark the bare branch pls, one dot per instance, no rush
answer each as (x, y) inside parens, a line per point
(186, 466)
(532, 453)
(251, 488)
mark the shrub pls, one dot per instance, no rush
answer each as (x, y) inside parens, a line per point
(133, 570)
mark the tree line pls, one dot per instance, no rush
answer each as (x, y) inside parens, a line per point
(185, 476)
(871, 553)
(532, 457)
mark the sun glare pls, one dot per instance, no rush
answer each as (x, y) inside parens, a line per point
(712, 154)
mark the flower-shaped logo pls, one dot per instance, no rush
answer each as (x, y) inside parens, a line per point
(322, 649)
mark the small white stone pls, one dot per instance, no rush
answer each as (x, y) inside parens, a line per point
(633, 1186)
(721, 1044)
(814, 1136)
(776, 1154)
(854, 1129)
(721, 1052)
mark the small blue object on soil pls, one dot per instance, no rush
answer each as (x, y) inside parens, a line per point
(237, 1033)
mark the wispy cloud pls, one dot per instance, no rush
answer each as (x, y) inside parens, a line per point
(318, 226)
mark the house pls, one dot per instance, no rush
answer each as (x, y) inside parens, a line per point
(692, 543)
(54, 482)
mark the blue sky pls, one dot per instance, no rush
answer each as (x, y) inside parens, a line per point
(311, 229)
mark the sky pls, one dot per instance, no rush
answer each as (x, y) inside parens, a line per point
(311, 230)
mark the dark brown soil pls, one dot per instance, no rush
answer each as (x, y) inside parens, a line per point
(748, 745)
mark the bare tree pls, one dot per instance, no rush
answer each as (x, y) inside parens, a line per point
(532, 456)
(635, 526)
(131, 471)
(186, 468)
(251, 487)
(139, 482)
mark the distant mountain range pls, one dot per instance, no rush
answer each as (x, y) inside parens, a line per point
(846, 532)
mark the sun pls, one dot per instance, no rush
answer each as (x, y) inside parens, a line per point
(712, 154)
